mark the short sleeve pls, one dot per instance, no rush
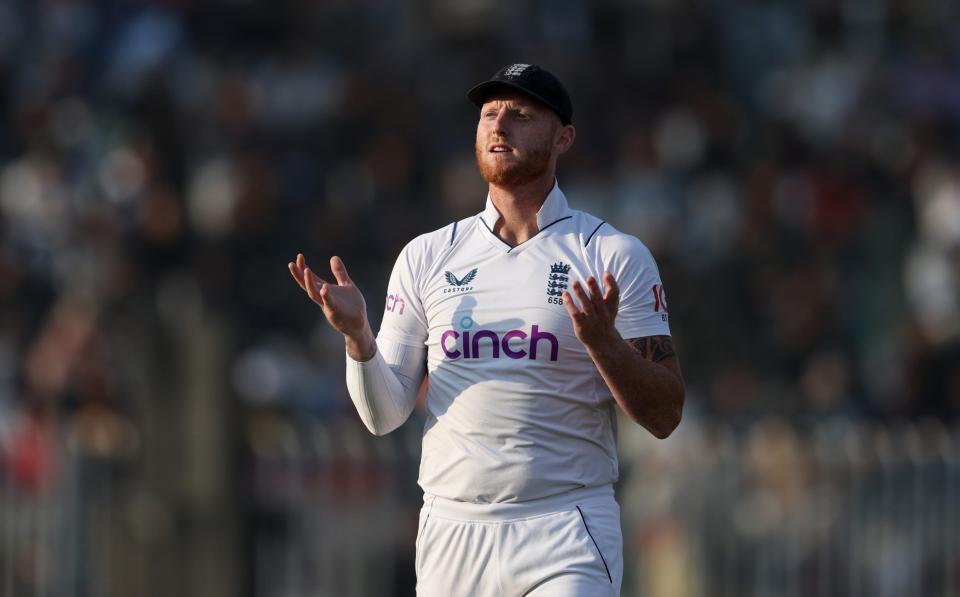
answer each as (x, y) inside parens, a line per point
(643, 301)
(404, 320)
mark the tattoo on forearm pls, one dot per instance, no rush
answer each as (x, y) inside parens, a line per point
(654, 348)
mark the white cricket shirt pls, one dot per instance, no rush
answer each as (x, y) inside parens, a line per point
(516, 409)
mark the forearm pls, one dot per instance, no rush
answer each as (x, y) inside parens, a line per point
(651, 393)
(384, 387)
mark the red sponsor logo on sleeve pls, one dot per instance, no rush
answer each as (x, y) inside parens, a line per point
(659, 298)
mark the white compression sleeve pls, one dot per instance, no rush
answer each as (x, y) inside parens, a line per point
(384, 389)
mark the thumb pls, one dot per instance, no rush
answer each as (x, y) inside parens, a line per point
(340, 271)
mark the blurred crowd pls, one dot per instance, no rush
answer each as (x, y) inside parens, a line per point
(793, 166)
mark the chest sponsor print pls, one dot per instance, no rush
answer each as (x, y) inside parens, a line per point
(486, 344)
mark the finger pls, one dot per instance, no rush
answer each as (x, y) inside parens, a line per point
(585, 304)
(340, 271)
(318, 282)
(297, 275)
(596, 295)
(612, 296)
(314, 286)
(300, 264)
(575, 314)
(569, 305)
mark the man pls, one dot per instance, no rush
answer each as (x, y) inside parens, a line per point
(527, 354)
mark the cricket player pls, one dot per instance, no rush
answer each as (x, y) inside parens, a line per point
(533, 322)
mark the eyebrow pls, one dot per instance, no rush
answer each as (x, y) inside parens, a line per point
(509, 104)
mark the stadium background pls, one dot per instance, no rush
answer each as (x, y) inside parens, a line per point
(173, 419)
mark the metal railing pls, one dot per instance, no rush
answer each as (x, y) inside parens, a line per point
(774, 509)
(835, 509)
(852, 510)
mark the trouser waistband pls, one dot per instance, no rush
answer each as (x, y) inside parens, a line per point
(470, 511)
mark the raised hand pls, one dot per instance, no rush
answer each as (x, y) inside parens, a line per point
(342, 304)
(594, 317)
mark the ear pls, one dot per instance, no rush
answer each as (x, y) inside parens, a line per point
(565, 138)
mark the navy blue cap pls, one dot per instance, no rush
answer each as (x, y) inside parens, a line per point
(530, 80)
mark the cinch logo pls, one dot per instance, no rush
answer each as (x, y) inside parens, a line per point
(395, 303)
(486, 343)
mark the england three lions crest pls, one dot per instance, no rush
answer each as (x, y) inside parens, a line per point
(557, 281)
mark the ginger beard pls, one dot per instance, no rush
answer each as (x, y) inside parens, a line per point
(500, 172)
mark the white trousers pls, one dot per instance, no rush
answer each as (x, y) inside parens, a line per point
(562, 546)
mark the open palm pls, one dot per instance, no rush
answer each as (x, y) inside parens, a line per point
(342, 303)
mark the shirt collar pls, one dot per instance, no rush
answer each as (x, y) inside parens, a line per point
(554, 207)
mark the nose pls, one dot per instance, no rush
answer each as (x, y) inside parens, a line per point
(499, 123)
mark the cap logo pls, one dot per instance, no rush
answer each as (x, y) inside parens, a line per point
(516, 70)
